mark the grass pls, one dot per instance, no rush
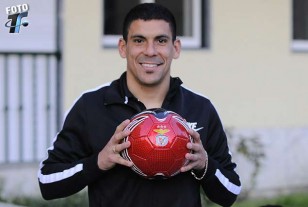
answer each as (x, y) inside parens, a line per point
(292, 200)
(78, 200)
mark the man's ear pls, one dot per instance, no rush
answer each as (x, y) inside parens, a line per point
(122, 47)
(177, 48)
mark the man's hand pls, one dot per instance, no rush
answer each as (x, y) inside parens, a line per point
(198, 158)
(109, 156)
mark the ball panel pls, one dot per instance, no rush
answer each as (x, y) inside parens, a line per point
(179, 146)
(141, 165)
(140, 147)
(146, 123)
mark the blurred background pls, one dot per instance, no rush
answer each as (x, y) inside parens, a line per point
(249, 57)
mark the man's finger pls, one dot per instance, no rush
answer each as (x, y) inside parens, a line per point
(122, 126)
(124, 162)
(195, 135)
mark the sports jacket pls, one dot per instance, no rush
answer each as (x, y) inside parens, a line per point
(72, 160)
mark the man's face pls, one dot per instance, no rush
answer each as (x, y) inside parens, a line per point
(149, 51)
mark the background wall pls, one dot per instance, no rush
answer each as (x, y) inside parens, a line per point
(249, 71)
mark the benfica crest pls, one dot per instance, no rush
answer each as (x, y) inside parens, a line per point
(161, 138)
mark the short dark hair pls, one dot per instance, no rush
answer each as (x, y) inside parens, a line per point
(149, 11)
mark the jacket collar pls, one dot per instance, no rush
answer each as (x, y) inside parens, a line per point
(118, 91)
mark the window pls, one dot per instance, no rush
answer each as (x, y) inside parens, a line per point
(191, 17)
(300, 25)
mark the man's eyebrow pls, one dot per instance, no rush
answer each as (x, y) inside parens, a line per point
(163, 36)
(157, 37)
(137, 36)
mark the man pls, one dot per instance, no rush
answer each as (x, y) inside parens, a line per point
(87, 149)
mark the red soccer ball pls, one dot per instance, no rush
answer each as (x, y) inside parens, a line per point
(158, 143)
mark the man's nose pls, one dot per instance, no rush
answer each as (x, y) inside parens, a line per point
(150, 49)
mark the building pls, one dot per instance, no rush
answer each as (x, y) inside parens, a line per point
(249, 57)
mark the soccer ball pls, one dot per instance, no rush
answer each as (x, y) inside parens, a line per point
(158, 143)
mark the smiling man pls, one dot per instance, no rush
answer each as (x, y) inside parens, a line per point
(87, 149)
(149, 49)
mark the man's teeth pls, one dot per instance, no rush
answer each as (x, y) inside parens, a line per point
(149, 65)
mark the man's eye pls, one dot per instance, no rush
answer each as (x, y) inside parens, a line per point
(138, 41)
(162, 41)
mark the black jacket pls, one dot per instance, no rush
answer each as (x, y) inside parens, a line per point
(72, 160)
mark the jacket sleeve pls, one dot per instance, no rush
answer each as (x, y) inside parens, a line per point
(70, 165)
(221, 183)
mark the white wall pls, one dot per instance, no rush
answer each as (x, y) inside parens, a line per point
(249, 72)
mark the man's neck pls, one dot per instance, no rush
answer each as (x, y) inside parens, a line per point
(150, 96)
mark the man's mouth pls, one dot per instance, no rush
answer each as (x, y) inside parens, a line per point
(150, 65)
